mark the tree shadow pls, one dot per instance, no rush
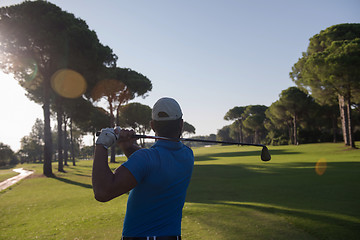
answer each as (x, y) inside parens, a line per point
(352, 225)
(292, 185)
(288, 189)
(68, 181)
(77, 166)
(82, 175)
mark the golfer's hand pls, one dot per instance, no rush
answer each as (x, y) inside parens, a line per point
(108, 137)
(127, 142)
(126, 138)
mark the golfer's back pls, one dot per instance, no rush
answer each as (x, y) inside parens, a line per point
(163, 174)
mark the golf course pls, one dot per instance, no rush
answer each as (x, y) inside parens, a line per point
(180, 120)
(310, 191)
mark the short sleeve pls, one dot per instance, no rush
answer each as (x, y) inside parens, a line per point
(137, 164)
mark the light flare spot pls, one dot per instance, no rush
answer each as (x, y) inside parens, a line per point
(31, 69)
(30, 74)
(68, 83)
(321, 166)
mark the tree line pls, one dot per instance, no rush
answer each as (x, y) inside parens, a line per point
(63, 66)
(132, 115)
(325, 105)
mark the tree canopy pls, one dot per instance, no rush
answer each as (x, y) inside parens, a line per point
(7, 156)
(118, 87)
(188, 128)
(32, 145)
(329, 69)
(137, 116)
(294, 103)
(38, 39)
(254, 120)
(237, 115)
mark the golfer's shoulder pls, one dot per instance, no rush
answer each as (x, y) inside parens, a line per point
(187, 153)
(141, 153)
(188, 149)
(148, 153)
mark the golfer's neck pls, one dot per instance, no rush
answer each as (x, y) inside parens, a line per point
(174, 136)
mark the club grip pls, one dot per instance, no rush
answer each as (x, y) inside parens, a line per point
(115, 129)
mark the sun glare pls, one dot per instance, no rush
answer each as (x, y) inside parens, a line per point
(68, 83)
(321, 166)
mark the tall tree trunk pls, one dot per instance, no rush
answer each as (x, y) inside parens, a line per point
(66, 145)
(241, 137)
(348, 109)
(47, 168)
(59, 114)
(344, 121)
(295, 130)
(241, 132)
(334, 126)
(291, 133)
(239, 129)
(72, 143)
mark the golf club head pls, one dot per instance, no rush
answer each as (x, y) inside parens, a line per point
(265, 155)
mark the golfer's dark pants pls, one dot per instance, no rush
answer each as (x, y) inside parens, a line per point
(152, 238)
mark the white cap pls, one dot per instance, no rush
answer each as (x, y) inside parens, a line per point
(166, 109)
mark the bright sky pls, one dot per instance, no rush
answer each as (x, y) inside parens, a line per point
(209, 55)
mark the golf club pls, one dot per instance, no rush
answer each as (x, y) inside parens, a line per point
(265, 155)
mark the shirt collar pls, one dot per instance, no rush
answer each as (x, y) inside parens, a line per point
(168, 144)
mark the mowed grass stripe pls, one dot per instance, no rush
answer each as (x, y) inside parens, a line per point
(324, 206)
(233, 195)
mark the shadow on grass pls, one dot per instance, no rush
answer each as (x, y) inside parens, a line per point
(68, 181)
(82, 175)
(316, 203)
(291, 185)
(351, 224)
(79, 166)
(214, 156)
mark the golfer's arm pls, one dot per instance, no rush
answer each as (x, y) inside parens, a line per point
(106, 184)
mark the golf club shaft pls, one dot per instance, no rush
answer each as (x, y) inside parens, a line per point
(198, 140)
(265, 155)
(193, 140)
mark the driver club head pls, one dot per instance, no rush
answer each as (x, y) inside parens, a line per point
(265, 155)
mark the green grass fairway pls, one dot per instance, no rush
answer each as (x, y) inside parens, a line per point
(232, 195)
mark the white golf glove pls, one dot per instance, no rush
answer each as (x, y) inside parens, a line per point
(108, 137)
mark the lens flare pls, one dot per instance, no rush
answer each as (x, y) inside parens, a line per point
(321, 166)
(30, 71)
(68, 83)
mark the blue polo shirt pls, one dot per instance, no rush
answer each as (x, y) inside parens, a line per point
(163, 173)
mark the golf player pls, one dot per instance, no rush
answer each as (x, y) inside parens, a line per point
(158, 177)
